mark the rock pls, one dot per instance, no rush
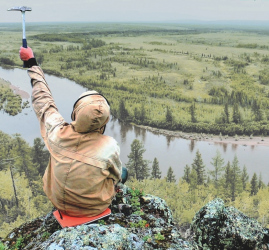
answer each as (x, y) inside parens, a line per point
(139, 222)
(149, 225)
(219, 227)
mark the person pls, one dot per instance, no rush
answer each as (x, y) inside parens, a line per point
(84, 164)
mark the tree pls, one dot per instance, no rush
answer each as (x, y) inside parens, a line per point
(199, 167)
(217, 163)
(260, 182)
(143, 113)
(40, 156)
(168, 116)
(254, 185)
(236, 114)
(193, 113)
(170, 175)
(123, 112)
(187, 172)
(226, 113)
(227, 176)
(137, 166)
(244, 177)
(24, 161)
(257, 110)
(156, 173)
(236, 186)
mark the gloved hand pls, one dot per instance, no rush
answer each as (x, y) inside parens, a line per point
(26, 54)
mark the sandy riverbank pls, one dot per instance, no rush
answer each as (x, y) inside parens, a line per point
(239, 140)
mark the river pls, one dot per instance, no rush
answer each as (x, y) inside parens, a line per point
(170, 151)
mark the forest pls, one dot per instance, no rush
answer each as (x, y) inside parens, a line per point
(199, 185)
(203, 80)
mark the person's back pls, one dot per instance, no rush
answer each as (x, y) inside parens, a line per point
(84, 166)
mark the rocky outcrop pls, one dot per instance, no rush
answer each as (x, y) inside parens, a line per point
(140, 221)
(137, 221)
(219, 227)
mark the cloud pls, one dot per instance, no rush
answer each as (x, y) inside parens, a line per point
(136, 10)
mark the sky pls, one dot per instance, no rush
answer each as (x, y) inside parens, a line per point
(135, 10)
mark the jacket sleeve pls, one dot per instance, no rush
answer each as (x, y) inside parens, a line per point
(43, 103)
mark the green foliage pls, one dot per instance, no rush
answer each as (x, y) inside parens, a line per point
(136, 194)
(22, 197)
(159, 236)
(193, 113)
(235, 181)
(147, 238)
(237, 118)
(2, 246)
(245, 177)
(254, 184)
(141, 224)
(40, 156)
(199, 167)
(247, 45)
(10, 103)
(155, 172)
(101, 222)
(170, 177)
(217, 163)
(45, 235)
(137, 166)
(187, 172)
(122, 113)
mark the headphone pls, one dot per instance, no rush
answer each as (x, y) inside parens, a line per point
(73, 113)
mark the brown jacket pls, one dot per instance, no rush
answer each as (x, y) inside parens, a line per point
(83, 167)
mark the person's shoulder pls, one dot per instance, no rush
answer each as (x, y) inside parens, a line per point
(109, 139)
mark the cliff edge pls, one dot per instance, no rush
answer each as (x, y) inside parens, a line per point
(140, 221)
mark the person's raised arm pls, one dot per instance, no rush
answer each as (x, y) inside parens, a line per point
(42, 100)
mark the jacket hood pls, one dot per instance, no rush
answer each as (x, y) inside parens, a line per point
(91, 112)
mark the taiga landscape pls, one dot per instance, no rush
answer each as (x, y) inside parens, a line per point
(193, 81)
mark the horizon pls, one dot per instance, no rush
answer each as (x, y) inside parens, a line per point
(137, 10)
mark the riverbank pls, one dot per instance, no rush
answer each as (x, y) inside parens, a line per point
(237, 140)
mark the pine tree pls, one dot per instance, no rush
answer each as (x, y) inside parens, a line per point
(244, 177)
(156, 173)
(236, 186)
(170, 175)
(24, 161)
(199, 166)
(217, 163)
(257, 110)
(260, 182)
(226, 113)
(187, 172)
(236, 114)
(137, 166)
(193, 113)
(143, 113)
(40, 156)
(254, 185)
(123, 113)
(168, 116)
(227, 176)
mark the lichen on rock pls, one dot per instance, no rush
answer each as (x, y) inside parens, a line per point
(219, 227)
(138, 221)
